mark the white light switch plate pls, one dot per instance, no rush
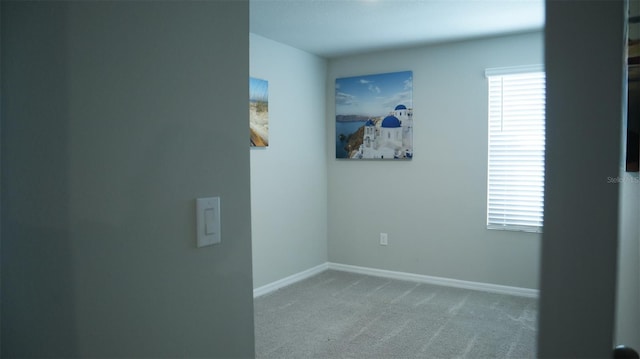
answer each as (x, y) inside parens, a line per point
(208, 221)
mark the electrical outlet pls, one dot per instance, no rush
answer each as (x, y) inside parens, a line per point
(384, 239)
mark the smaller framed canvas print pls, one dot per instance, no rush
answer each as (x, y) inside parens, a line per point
(259, 112)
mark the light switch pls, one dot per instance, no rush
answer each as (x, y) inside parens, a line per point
(208, 221)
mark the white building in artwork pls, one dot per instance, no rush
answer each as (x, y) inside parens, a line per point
(390, 138)
(405, 116)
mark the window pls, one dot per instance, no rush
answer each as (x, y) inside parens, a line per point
(515, 194)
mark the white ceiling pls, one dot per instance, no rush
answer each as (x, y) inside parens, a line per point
(332, 28)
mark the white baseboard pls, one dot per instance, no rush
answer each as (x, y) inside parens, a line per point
(268, 288)
(456, 283)
(447, 282)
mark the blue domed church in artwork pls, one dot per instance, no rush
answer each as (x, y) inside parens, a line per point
(390, 138)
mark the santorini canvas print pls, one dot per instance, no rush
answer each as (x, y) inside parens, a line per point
(258, 112)
(374, 116)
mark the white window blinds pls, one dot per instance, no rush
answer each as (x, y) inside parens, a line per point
(516, 148)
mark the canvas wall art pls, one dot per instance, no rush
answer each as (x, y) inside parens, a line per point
(374, 116)
(259, 112)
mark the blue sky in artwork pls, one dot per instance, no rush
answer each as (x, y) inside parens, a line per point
(258, 89)
(374, 95)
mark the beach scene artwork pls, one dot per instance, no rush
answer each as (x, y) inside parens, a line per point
(374, 116)
(259, 112)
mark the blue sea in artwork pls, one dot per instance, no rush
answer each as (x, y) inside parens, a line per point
(345, 128)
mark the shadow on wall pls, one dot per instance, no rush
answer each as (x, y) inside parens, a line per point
(36, 259)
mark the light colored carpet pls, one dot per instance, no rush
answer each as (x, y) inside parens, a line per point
(344, 315)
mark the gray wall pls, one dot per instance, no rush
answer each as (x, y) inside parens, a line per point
(434, 206)
(289, 178)
(115, 117)
(584, 117)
